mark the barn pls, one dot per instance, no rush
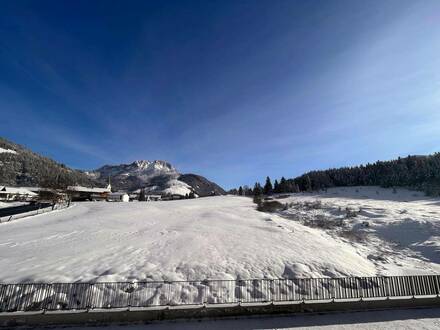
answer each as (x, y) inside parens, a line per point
(79, 193)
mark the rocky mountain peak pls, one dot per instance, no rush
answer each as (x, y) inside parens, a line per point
(153, 165)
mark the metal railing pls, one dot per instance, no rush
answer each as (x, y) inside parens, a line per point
(83, 296)
(29, 210)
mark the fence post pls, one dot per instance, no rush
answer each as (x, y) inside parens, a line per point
(205, 299)
(272, 291)
(437, 285)
(239, 291)
(386, 280)
(333, 292)
(413, 289)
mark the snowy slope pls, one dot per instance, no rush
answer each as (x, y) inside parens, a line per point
(10, 151)
(216, 238)
(398, 230)
(223, 238)
(178, 187)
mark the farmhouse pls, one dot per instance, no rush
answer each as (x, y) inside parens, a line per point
(16, 194)
(143, 196)
(172, 197)
(79, 193)
(155, 198)
(118, 197)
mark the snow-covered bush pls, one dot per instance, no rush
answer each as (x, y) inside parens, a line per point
(270, 206)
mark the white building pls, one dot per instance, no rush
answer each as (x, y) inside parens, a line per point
(118, 197)
(150, 198)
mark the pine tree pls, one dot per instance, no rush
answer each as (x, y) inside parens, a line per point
(276, 187)
(283, 185)
(240, 191)
(268, 189)
(142, 196)
(308, 184)
(257, 189)
(247, 191)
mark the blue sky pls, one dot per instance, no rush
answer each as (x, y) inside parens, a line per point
(233, 90)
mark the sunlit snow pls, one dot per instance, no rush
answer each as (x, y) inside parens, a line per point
(224, 238)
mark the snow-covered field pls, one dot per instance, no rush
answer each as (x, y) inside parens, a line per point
(227, 238)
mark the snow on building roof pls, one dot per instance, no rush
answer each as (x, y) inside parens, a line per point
(16, 191)
(36, 189)
(118, 193)
(87, 189)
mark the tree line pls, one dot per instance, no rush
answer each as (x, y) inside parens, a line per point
(415, 172)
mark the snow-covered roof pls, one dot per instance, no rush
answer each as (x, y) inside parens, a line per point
(36, 189)
(118, 193)
(17, 191)
(87, 189)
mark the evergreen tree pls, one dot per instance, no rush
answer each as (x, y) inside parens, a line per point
(268, 189)
(308, 184)
(257, 189)
(276, 187)
(283, 185)
(142, 196)
(240, 191)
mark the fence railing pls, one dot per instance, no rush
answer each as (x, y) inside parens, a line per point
(29, 210)
(82, 296)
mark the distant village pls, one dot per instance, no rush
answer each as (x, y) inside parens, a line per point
(80, 193)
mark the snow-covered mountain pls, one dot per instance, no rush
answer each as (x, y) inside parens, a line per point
(143, 170)
(20, 166)
(156, 176)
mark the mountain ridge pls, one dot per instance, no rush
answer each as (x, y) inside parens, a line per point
(155, 176)
(20, 166)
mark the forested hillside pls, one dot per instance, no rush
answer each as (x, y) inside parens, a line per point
(21, 167)
(416, 172)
